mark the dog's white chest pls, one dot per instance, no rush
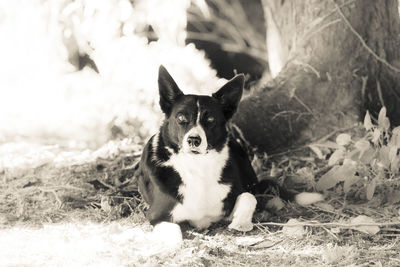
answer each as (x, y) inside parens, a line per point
(201, 191)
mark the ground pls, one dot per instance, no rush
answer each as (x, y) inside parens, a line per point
(86, 212)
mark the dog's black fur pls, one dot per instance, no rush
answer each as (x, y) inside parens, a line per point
(159, 182)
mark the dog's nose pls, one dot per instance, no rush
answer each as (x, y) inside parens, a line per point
(194, 141)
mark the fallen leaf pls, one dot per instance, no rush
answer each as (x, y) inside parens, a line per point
(325, 206)
(275, 203)
(395, 165)
(335, 175)
(371, 189)
(393, 197)
(246, 241)
(105, 204)
(335, 254)
(275, 171)
(265, 244)
(306, 175)
(368, 229)
(293, 230)
(343, 139)
(349, 182)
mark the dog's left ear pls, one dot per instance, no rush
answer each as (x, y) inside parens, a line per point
(168, 89)
(230, 94)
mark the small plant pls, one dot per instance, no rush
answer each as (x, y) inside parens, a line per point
(366, 162)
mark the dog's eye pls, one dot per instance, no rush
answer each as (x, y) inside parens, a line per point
(182, 118)
(210, 119)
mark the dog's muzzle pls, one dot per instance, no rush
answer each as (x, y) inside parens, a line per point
(195, 141)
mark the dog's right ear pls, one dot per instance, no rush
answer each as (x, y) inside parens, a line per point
(169, 90)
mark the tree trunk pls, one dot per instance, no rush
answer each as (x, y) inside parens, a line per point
(344, 58)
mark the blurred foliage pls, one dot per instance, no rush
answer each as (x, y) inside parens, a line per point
(43, 96)
(359, 166)
(227, 24)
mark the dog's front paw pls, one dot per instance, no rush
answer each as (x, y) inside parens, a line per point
(167, 235)
(241, 226)
(243, 213)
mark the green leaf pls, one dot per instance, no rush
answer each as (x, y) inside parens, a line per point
(367, 122)
(396, 136)
(362, 145)
(381, 116)
(367, 156)
(392, 153)
(376, 135)
(386, 124)
(393, 197)
(336, 157)
(335, 175)
(317, 151)
(257, 164)
(343, 139)
(383, 121)
(384, 156)
(395, 165)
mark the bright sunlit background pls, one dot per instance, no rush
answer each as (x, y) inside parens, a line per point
(78, 73)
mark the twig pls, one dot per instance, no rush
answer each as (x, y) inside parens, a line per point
(58, 187)
(383, 61)
(298, 62)
(391, 229)
(330, 232)
(55, 195)
(342, 225)
(106, 184)
(324, 27)
(364, 80)
(305, 106)
(336, 8)
(321, 139)
(379, 89)
(326, 137)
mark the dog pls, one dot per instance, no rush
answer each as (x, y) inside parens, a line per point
(192, 170)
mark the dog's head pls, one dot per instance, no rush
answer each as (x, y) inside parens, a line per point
(197, 123)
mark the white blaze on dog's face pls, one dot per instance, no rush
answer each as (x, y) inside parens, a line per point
(197, 124)
(195, 140)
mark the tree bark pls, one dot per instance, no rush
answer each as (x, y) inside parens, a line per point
(344, 58)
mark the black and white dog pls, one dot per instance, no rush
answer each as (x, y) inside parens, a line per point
(191, 170)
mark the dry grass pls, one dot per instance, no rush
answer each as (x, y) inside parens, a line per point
(92, 212)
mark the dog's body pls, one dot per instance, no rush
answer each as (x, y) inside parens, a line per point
(192, 170)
